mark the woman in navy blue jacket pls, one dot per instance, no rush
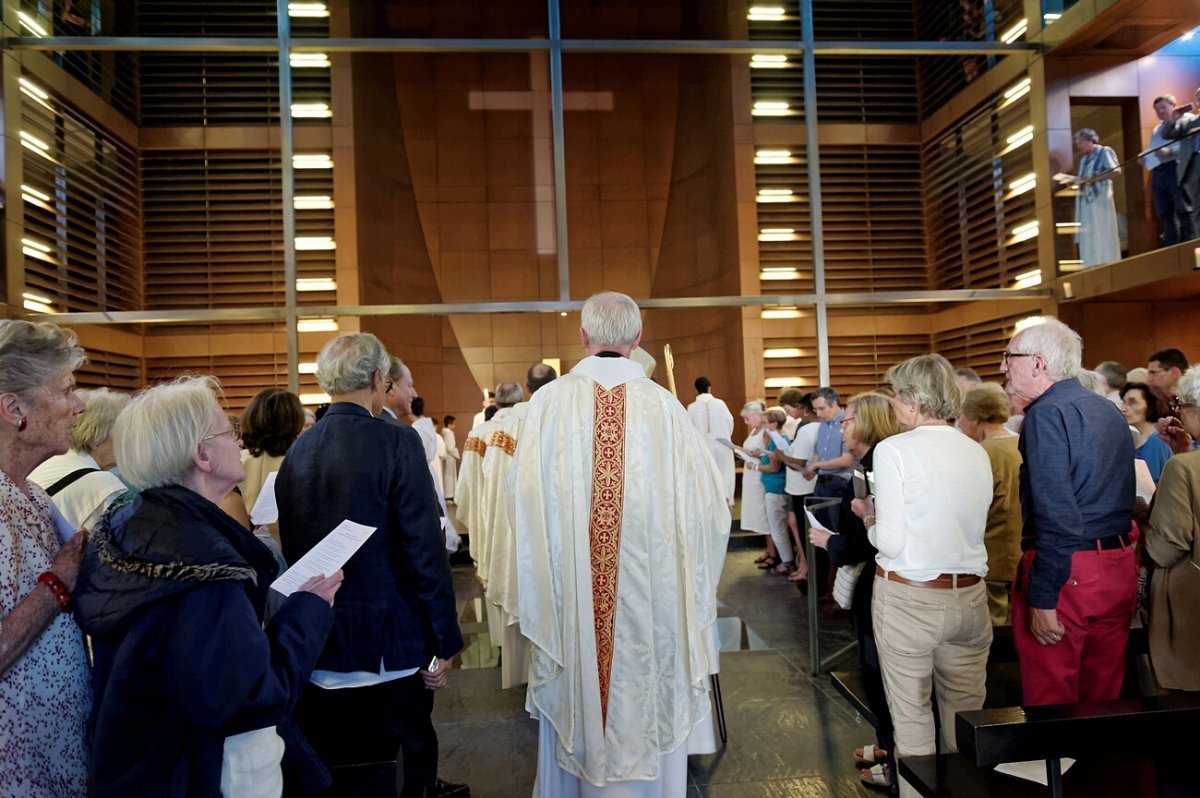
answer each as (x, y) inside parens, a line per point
(192, 696)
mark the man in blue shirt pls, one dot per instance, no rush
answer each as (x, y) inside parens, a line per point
(831, 462)
(1076, 585)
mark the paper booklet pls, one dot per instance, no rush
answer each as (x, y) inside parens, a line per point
(265, 510)
(781, 443)
(1031, 770)
(324, 558)
(725, 442)
(813, 523)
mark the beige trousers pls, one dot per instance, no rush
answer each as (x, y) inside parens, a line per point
(930, 638)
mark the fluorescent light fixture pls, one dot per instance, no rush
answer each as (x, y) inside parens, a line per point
(29, 193)
(309, 367)
(309, 60)
(779, 273)
(562, 313)
(308, 10)
(1020, 138)
(1026, 323)
(782, 351)
(761, 14)
(314, 398)
(1029, 275)
(1067, 228)
(1016, 92)
(38, 245)
(33, 90)
(312, 203)
(316, 284)
(783, 382)
(1070, 265)
(771, 108)
(1051, 17)
(1022, 184)
(775, 195)
(769, 62)
(781, 312)
(1015, 32)
(312, 160)
(311, 110)
(1024, 232)
(773, 156)
(32, 142)
(316, 325)
(37, 307)
(777, 234)
(314, 243)
(31, 24)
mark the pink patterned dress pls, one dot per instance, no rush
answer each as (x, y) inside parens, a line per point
(45, 696)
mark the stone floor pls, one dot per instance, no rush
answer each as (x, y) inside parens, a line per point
(790, 734)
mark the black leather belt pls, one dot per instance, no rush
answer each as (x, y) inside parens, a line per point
(830, 478)
(1119, 541)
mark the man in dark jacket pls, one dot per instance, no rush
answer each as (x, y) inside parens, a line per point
(395, 623)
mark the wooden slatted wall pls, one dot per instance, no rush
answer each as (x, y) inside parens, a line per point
(856, 362)
(110, 370)
(82, 229)
(971, 211)
(941, 77)
(978, 345)
(241, 376)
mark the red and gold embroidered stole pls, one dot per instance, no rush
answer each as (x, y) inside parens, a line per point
(604, 529)
(476, 445)
(506, 442)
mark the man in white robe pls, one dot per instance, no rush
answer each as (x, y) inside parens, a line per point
(712, 417)
(621, 526)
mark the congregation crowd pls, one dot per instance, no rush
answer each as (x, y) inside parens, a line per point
(143, 651)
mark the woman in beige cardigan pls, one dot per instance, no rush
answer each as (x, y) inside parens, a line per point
(1171, 544)
(270, 424)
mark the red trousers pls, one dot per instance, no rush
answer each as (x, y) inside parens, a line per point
(1095, 607)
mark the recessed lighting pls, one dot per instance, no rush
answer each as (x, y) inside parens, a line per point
(1021, 137)
(1015, 32)
(773, 156)
(783, 382)
(311, 110)
(764, 61)
(779, 273)
(33, 90)
(766, 14)
(783, 351)
(777, 234)
(312, 160)
(32, 142)
(775, 195)
(308, 10)
(1024, 232)
(782, 312)
(309, 60)
(313, 243)
(771, 108)
(314, 398)
(29, 193)
(312, 203)
(316, 325)
(1022, 184)
(31, 24)
(316, 284)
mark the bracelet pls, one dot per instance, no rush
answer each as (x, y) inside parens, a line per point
(58, 588)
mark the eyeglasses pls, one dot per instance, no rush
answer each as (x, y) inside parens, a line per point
(234, 429)
(388, 387)
(846, 420)
(1006, 356)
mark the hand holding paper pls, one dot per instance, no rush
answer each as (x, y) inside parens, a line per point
(325, 558)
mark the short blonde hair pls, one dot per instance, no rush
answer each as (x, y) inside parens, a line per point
(31, 354)
(753, 406)
(987, 404)
(929, 381)
(776, 416)
(157, 434)
(94, 425)
(874, 417)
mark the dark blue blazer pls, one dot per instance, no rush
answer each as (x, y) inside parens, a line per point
(397, 602)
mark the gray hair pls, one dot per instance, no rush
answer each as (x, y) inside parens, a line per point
(346, 363)
(396, 368)
(754, 406)
(611, 318)
(157, 433)
(1058, 344)
(94, 425)
(1189, 387)
(1114, 372)
(826, 392)
(508, 394)
(31, 354)
(1087, 134)
(928, 381)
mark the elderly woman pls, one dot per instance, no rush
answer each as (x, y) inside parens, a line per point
(79, 482)
(44, 694)
(1095, 212)
(1142, 410)
(189, 686)
(754, 514)
(869, 420)
(927, 519)
(774, 498)
(270, 424)
(984, 413)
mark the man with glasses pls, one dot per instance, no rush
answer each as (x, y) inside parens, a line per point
(1163, 370)
(1076, 584)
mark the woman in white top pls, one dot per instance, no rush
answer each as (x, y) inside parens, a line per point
(754, 510)
(79, 482)
(932, 490)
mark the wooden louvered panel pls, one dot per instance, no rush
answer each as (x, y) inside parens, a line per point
(942, 77)
(110, 370)
(214, 229)
(848, 89)
(241, 376)
(970, 210)
(978, 346)
(90, 221)
(837, 19)
(870, 203)
(856, 363)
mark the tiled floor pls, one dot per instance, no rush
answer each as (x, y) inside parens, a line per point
(789, 732)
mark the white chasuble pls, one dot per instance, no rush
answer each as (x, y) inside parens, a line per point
(712, 417)
(470, 492)
(621, 529)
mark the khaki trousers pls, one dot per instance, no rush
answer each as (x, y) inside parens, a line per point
(930, 638)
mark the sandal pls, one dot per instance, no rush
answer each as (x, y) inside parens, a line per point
(768, 563)
(876, 777)
(798, 575)
(785, 568)
(870, 754)
(762, 559)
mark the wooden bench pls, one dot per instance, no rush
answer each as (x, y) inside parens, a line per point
(1114, 742)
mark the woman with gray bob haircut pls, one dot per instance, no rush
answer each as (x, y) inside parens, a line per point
(80, 482)
(194, 696)
(44, 695)
(611, 318)
(346, 363)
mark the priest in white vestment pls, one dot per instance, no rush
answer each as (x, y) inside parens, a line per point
(712, 417)
(621, 526)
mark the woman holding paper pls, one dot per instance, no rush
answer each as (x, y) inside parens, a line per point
(754, 515)
(44, 694)
(190, 688)
(927, 517)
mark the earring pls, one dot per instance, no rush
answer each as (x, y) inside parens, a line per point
(22, 424)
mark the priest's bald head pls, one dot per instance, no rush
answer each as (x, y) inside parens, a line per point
(610, 322)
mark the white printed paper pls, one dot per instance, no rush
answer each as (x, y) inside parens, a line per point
(1145, 482)
(781, 442)
(745, 456)
(326, 557)
(265, 510)
(1031, 770)
(725, 442)
(61, 525)
(813, 523)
